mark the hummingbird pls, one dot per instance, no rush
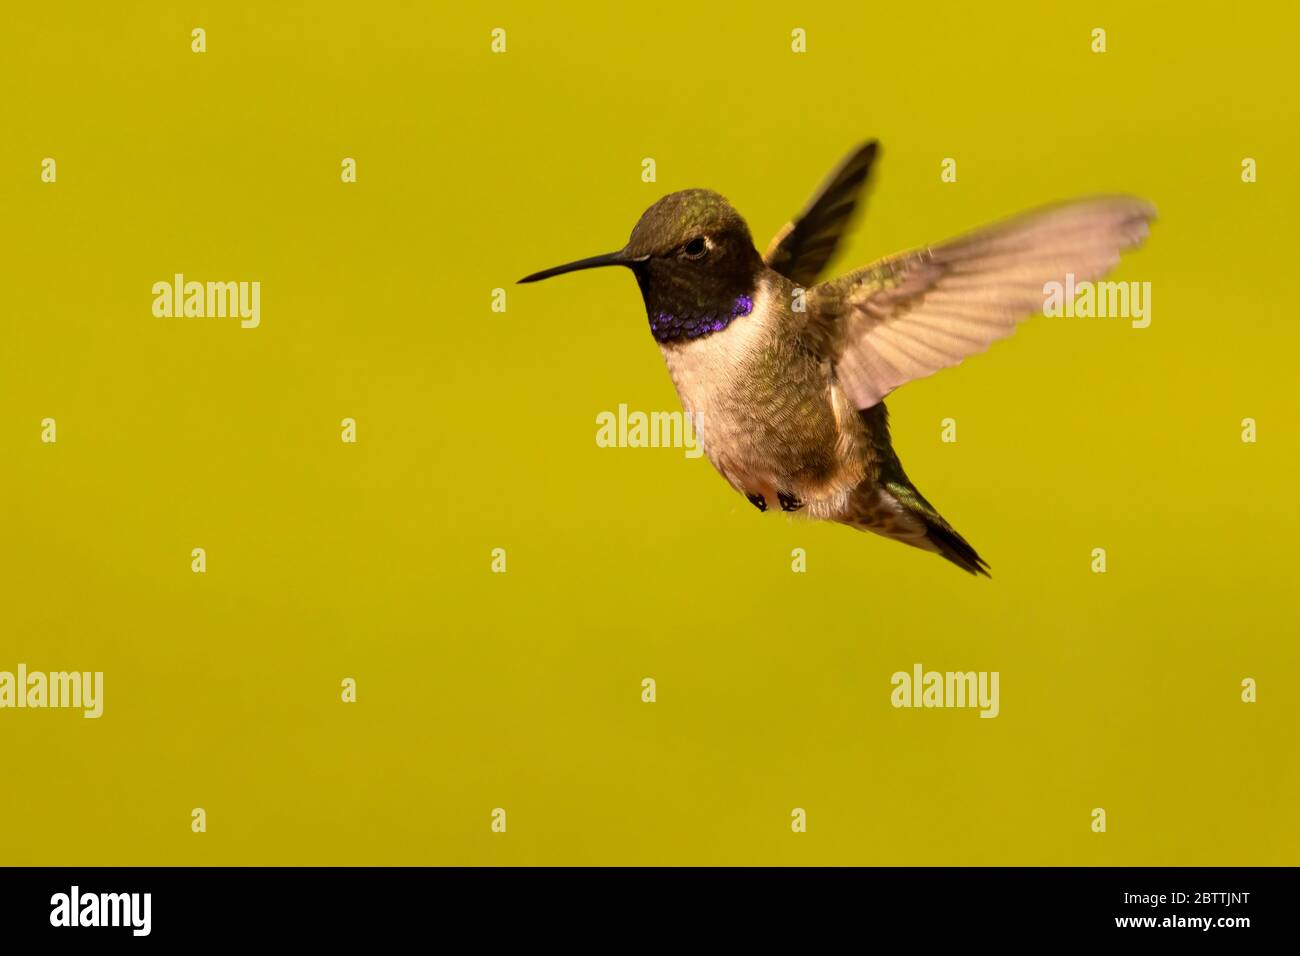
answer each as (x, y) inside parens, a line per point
(784, 374)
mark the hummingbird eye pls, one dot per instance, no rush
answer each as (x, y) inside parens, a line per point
(696, 248)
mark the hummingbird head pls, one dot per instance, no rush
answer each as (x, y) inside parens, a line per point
(694, 260)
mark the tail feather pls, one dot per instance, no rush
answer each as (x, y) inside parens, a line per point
(891, 506)
(939, 534)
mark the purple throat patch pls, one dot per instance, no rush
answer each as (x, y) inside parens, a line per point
(668, 328)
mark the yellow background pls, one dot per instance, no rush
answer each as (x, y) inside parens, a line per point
(476, 431)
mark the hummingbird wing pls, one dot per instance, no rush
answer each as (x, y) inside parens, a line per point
(804, 245)
(912, 314)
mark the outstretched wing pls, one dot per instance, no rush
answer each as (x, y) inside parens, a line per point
(912, 314)
(802, 248)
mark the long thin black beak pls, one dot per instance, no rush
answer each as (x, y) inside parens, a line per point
(620, 258)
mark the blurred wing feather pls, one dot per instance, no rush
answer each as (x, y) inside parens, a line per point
(803, 247)
(910, 315)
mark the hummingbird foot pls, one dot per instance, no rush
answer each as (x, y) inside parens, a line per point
(789, 502)
(758, 501)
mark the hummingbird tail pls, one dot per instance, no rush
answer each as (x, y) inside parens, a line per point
(895, 509)
(940, 536)
(891, 506)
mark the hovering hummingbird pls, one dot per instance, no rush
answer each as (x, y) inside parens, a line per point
(784, 376)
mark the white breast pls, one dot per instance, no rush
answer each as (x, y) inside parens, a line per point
(704, 371)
